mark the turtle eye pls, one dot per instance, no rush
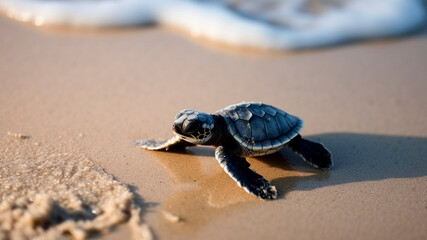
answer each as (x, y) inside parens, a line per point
(192, 127)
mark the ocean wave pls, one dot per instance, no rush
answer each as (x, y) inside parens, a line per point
(268, 24)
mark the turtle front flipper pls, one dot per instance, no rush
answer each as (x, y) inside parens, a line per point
(150, 144)
(238, 169)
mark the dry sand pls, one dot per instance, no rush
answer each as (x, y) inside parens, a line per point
(94, 93)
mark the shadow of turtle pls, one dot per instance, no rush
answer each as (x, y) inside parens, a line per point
(357, 158)
(285, 170)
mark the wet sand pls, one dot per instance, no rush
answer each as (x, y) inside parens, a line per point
(93, 93)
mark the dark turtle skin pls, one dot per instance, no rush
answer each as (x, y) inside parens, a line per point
(239, 131)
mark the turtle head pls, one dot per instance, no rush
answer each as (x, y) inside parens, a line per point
(194, 126)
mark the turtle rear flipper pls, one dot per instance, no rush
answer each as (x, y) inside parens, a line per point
(313, 153)
(174, 143)
(238, 169)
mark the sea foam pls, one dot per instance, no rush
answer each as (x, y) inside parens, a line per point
(268, 24)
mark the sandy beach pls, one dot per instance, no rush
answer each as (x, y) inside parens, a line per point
(92, 93)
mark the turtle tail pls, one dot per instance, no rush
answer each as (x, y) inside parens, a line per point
(313, 153)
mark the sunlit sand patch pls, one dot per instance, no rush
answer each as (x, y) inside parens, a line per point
(51, 192)
(204, 190)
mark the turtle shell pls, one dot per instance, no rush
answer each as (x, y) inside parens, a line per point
(260, 127)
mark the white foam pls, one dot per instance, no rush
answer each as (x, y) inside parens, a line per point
(243, 25)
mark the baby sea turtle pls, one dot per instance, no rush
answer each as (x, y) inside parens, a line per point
(239, 131)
